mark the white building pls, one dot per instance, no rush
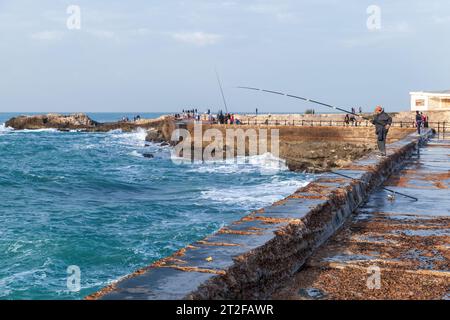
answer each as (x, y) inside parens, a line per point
(430, 100)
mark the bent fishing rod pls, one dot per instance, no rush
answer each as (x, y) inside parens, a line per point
(308, 100)
(333, 107)
(390, 190)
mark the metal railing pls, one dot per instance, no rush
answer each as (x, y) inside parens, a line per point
(439, 126)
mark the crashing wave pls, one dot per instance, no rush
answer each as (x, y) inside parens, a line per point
(5, 129)
(115, 131)
(50, 130)
(134, 138)
(266, 164)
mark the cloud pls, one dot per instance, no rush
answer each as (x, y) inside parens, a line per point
(47, 35)
(102, 34)
(441, 19)
(264, 8)
(197, 38)
(142, 32)
(400, 27)
(286, 17)
(388, 33)
(282, 12)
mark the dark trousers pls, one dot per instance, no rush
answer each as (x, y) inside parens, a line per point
(381, 141)
(382, 146)
(419, 125)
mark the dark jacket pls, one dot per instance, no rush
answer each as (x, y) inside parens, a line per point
(380, 121)
(419, 117)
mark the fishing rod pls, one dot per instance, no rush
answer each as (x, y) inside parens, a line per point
(308, 100)
(336, 108)
(390, 190)
(221, 90)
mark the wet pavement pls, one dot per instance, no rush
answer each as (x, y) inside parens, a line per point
(392, 247)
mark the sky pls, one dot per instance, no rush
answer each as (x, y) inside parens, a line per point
(160, 56)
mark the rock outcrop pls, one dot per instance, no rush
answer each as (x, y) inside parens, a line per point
(162, 133)
(56, 121)
(321, 156)
(80, 121)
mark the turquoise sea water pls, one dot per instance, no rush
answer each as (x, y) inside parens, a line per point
(92, 200)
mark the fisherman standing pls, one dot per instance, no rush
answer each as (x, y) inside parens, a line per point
(419, 121)
(382, 122)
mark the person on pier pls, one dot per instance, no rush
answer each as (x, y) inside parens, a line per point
(382, 122)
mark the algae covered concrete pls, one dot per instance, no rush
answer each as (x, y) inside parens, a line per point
(406, 242)
(252, 257)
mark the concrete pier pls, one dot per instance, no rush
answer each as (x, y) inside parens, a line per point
(253, 257)
(406, 242)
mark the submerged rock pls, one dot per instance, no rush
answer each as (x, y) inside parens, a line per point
(154, 135)
(148, 155)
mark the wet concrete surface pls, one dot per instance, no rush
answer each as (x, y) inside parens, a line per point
(408, 241)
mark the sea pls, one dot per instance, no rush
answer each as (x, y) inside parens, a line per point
(91, 202)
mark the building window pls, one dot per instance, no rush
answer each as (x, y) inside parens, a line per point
(420, 102)
(445, 103)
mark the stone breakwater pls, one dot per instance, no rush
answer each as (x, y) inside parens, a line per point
(310, 149)
(250, 258)
(405, 242)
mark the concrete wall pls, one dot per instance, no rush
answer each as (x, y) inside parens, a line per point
(296, 133)
(311, 149)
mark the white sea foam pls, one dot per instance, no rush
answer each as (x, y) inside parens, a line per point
(33, 275)
(255, 196)
(5, 129)
(38, 130)
(139, 135)
(135, 143)
(266, 164)
(85, 146)
(135, 138)
(14, 247)
(134, 153)
(115, 131)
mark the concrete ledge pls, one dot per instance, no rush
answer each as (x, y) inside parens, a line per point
(250, 258)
